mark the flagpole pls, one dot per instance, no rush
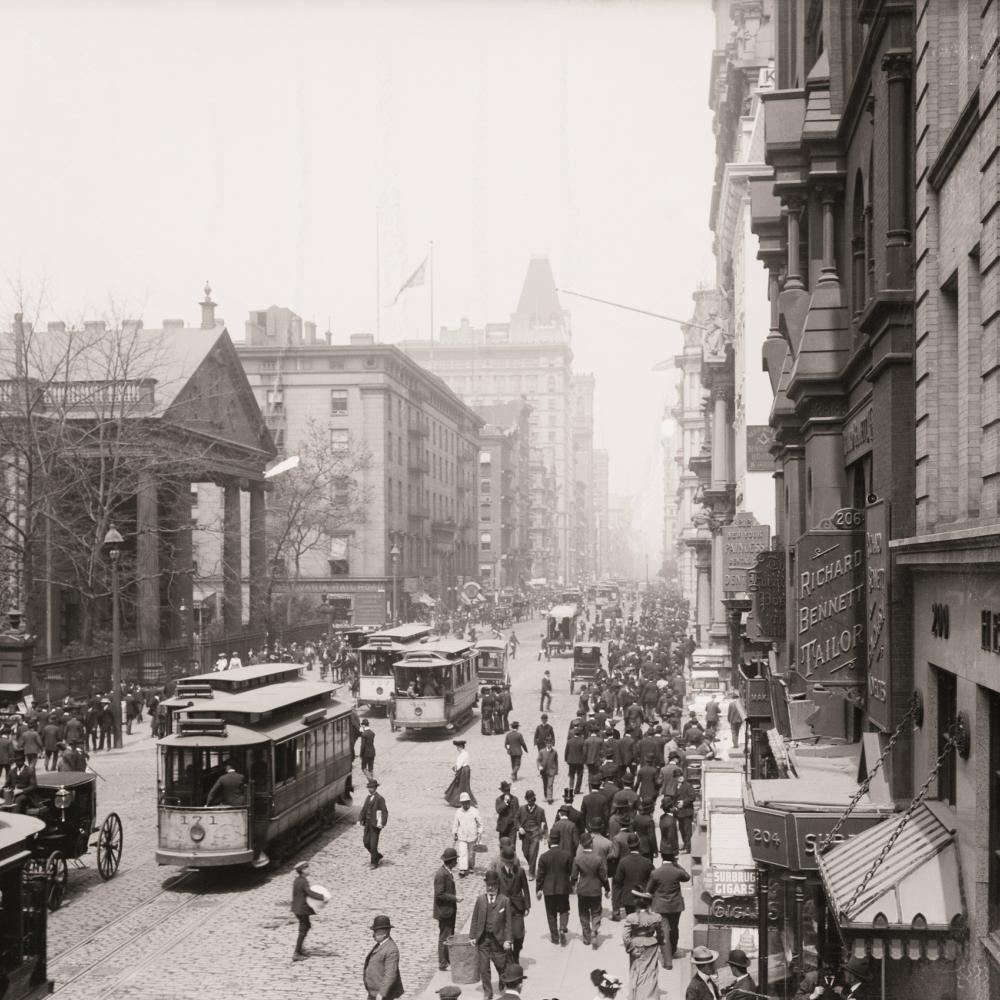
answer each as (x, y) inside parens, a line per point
(430, 256)
(378, 281)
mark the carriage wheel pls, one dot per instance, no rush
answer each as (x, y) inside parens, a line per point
(571, 682)
(56, 876)
(109, 847)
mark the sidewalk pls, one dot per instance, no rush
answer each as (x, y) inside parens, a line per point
(554, 971)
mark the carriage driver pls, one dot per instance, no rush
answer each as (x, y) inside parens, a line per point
(21, 782)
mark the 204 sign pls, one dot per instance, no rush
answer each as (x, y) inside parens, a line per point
(848, 519)
(766, 838)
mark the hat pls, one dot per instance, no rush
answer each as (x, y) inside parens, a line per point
(515, 725)
(568, 795)
(491, 877)
(512, 973)
(381, 923)
(19, 754)
(449, 854)
(701, 955)
(372, 783)
(738, 957)
(449, 992)
(529, 794)
(300, 865)
(464, 797)
(507, 854)
(504, 786)
(859, 968)
(458, 743)
(545, 718)
(365, 722)
(633, 841)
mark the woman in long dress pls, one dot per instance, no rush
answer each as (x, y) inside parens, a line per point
(642, 936)
(462, 782)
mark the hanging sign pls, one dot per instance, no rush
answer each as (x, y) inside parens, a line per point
(877, 609)
(830, 605)
(766, 584)
(742, 542)
(760, 440)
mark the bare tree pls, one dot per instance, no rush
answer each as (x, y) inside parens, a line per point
(314, 508)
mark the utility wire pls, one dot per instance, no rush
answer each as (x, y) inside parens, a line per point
(619, 305)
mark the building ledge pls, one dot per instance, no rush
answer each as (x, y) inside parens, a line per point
(978, 544)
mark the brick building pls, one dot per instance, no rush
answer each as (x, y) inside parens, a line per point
(422, 479)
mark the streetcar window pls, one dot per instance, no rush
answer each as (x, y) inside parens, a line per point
(378, 663)
(284, 762)
(341, 748)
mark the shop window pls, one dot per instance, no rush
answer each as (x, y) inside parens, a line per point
(993, 702)
(947, 712)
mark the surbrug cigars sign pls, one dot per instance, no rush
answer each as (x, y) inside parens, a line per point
(830, 593)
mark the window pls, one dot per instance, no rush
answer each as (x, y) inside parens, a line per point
(268, 366)
(485, 541)
(339, 440)
(993, 703)
(484, 458)
(340, 560)
(947, 712)
(275, 400)
(338, 402)
(485, 485)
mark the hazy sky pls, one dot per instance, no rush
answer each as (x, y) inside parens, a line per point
(150, 146)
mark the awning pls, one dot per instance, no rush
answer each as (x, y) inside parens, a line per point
(420, 597)
(915, 888)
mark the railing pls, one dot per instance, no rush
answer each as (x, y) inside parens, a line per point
(84, 676)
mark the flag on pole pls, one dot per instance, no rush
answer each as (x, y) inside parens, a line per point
(418, 277)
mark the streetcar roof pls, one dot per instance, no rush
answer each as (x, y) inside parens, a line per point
(446, 647)
(491, 644)
(14, 688)
(264, 700)
(236, 736)
(289, 727)
(14, 829)
(403, 633)
(243, 678)
(563, 611)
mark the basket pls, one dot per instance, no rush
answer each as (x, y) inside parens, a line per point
(463, 958)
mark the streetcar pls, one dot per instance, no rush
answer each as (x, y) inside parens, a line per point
(561, 624)
(23, 913)
(287, 737)
(436, 685)
(377, 656)
(493, 657)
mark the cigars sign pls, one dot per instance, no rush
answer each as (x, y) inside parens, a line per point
(830, 601)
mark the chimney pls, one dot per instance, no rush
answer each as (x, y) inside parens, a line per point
(207, 309)
(27, 327)
(329, 338)
(131, 325)
(59, 327)
(362, 338)
(173, 324)
(310, 332)
(95, 326)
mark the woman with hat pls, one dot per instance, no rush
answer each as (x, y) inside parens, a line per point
(462, 782)
(742, 987)
(642, 936)
(607, 985)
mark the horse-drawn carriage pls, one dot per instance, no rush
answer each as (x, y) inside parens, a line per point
(586, 663)
(66, 802)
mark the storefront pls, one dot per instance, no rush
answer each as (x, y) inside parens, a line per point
(787, 821)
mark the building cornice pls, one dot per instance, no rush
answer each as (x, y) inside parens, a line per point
(953, 147)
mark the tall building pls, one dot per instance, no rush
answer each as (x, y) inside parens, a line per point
(947, 545)
(530, 356)
(418, 535)
(626, 545)
(504, 477)
(601, 535)
(582, 535)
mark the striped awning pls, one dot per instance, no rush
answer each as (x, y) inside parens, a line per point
(915, 888)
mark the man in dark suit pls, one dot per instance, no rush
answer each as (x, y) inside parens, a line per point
(381, 975)
(301, 894)
(507, 806)
(596, 807)
(531, 826)
(554, 869)
(664, 886)
(565, 833)
(228, 789)
(543, 733)
(684, 811)
(633, 872)
(589, 875)
(593, 747)
(703, 985)
(490, 929)
(571, 813)
(574, 758)
(367, 748)
(516, 748)
(445, 903)
(373, 818)
(743, 987)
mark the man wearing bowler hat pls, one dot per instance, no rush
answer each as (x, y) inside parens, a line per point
(491, 931)
(373, 818)
(703, 985)
(743, 987)
(445, 903)
(511, 979)
(381, 975)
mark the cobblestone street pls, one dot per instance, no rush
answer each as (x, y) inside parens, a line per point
(154, 932)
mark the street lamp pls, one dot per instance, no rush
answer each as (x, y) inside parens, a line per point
(394, 553)
(112, 545)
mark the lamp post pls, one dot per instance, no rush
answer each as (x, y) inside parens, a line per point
(112, 544)
(394, 553)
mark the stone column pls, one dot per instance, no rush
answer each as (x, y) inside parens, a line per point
(232, 558)
(826, 478)
(720, 630)
(703, 565)
(148, 558)
(259, 612)
(720, 439)
(898, 67)
(181, 595)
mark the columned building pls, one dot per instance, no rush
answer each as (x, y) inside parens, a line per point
(419, 537)
(583, 533)
(601, 534)
(529, 356)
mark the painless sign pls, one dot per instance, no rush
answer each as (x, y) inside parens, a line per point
(742, 542)
(830, 606)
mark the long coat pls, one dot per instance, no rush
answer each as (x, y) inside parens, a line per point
(445, 897)
(382, 970)
(514, 885)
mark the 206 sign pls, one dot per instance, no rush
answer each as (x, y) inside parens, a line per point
(848, 519)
